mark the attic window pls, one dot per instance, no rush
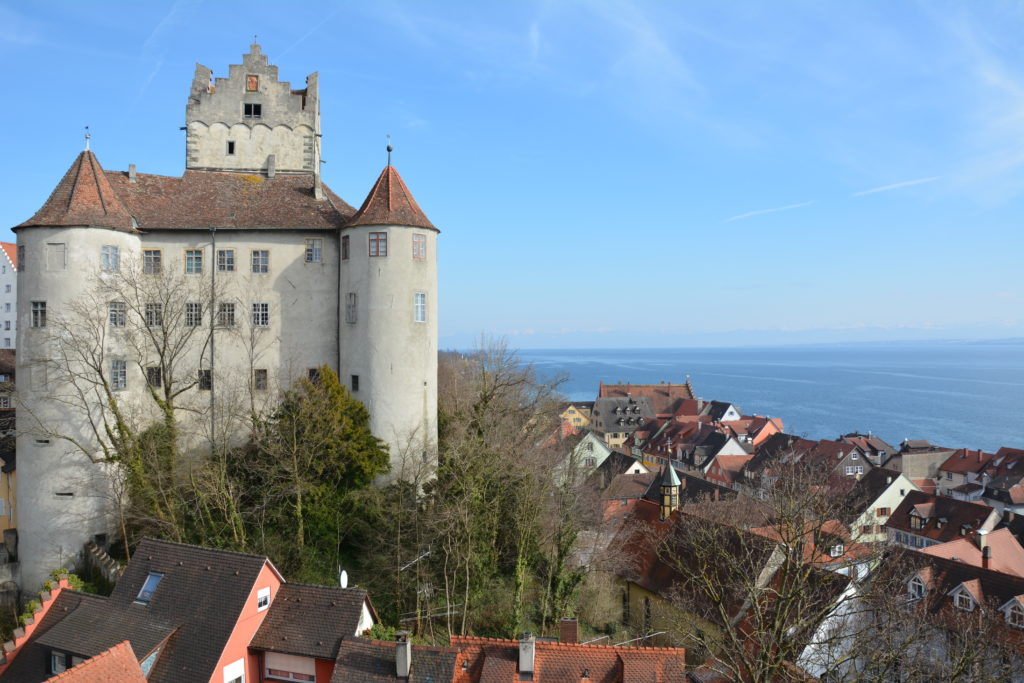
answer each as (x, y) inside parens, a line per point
(836, 551)
(262, 599)
(148, 588)
(963, 601)
(252, 111)
(915, 589)
(1015, 616)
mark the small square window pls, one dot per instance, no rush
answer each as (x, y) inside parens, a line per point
(118, 314)
(205, 380)
(314, 250)
(193, 314)
(262, 599)
(231, 147)
(193, 261)
(419, 247)
(226, 314)
(149, 588)
(260, 261)
(152, 261)
(155, 377)
(378, 244)
(261, 315)
(110, 258)
(252, 111)
(260, 381)
(226, 260)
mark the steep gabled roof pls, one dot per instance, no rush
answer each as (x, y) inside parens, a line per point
(116, 665)
(83, 197)
(310, 621)
(390, 203)
(11, 251)
(373, 661)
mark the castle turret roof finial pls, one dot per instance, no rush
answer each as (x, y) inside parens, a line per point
(87, 136)
(390, 149)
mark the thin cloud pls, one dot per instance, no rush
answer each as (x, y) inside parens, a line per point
(764, 211)
(895, 186)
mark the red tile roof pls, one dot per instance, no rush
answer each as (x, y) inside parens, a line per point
(965, 461)
(662, 396)
(116, 665)
(944, 517)
(390, 203)
(491, 660)
(83, 197)
(11, 249)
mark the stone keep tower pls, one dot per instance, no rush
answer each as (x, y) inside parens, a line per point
(388, 320)
(250, 121)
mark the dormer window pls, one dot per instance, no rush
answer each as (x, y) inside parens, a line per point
(836, 551)
(1015, 616)
(963, 601)
(915, 589)
(148, 588)
(916, 522)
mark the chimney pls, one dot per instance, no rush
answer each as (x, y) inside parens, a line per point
(271, 165)
(1009, 516)
(131, 174)
(983, 540)
(318, 187)
(527, 653)
(888, 479)
(986, 556)
(403, 654)
(568, 630)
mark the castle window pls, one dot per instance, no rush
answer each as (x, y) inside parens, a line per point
(350, 307)
(252, 111)
(154, 314)
(261, 315)
(344, 247)
(252, 83)
(118, 374)
(193, 314)
(378, 244)
(7, 342)
(314, 250)
(155, 377)
(7, 324)
(355, 382)
(7, 307)
(226, 314)
(314, 375)
(231, 147)
(151, 261)
(419, 246)
(260, 381)
(260, 261)
(110, 258)
(21, 257)
(226, 260)
(205, 380)
(193, 261)
(419, 307)
(118, 313)
(7, 288)
(56, 256)
(38, 314)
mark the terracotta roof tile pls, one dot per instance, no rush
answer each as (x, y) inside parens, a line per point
(390, 203)
(373, 661)
(11, 249)
(201, 199)
(83, 197)
(116, 665)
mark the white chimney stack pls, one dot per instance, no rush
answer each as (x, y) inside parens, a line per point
(403, 654)
(527, 653)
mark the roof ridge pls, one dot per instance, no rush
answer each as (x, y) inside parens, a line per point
(319, 585)
(200, 547)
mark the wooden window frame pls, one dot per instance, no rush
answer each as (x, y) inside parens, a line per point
(186, 256)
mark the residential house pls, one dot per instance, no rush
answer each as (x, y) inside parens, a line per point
(962, 475)
(116, 665)
(615, 464)
(615, 418)
(924, 520)
(997, 550)
(871, 501)
(662, 397)
(920, 461)
(1004, 480)
(755, 429)
(8, 294)
(874, 448)
(194, 614)
(575, 416)
(584, 458)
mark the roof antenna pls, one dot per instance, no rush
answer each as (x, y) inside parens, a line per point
(390, 150)
(87, 136)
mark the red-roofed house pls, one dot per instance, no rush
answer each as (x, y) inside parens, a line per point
(8, 295)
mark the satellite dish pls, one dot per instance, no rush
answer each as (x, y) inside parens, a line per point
(343, 579)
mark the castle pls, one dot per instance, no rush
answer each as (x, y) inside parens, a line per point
(247, 270)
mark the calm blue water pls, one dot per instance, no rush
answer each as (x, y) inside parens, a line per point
(969, 395)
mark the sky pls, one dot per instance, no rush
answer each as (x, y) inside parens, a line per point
(605, 174)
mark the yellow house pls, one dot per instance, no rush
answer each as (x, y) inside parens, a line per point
(575, 416)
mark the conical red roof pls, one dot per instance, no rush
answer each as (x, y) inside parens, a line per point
(83, 197)
(390, 203)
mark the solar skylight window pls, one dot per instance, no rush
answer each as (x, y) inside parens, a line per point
(148, 588)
